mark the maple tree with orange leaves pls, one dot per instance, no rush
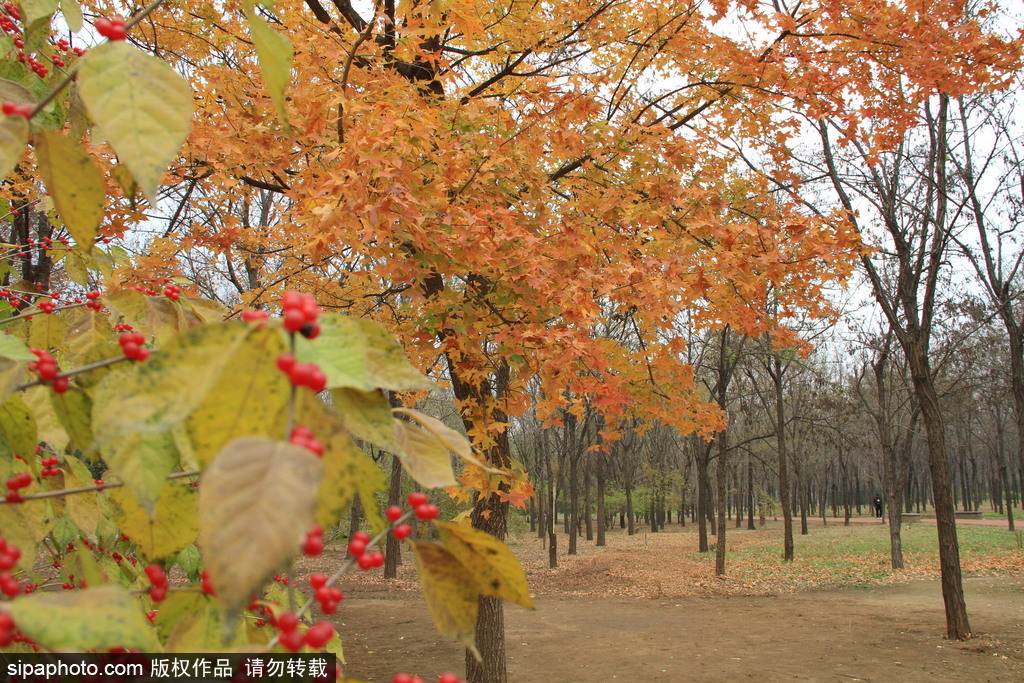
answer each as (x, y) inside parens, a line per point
(497, 183)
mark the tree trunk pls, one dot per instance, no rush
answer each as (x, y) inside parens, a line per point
(587, 518)
(780, 445)
(601, 521)
(721, 472)
(392, 548)
(702, 499)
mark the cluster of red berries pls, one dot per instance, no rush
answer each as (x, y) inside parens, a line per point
(12, 109)
(15, 484)
(400, 531)
(9, 554)
(132, 346)
(443, 678)
(314, 544)
(14, 299)
(327, 596)
(157, 577)
(46, 368)
(251, 314)
(307, 375)
(111, 29)
(50, 467)
(303, 436)
(293, 640)
(357, 547)
(172, 291)
(300, 312)
(7, 629)
(93, 300)
(422, 507)
(47, 306)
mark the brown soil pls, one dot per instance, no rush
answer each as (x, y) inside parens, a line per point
(619, 614)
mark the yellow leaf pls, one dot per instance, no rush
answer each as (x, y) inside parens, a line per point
(492, 565)
(450, 592)
(74, 184)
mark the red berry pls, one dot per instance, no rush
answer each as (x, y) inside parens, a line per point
(393, 513)
(417, 498)
(287, 622)
(310, 330)
(313, 546)
(361, 536)
(291, 641)
(402, 678)
(365, 561)
(448, 678)
(336, 594)
(285, 362)
(156, 575)
(356, 548)
(402, 531)
(318, 581)
(158, 593)
(251, 314)
(426, 512)
(207, 584)
(377, 558)
(328, 606)
(112, 29)
(318, 634)
(294, 320)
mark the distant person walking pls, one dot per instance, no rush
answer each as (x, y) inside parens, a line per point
(877, 502)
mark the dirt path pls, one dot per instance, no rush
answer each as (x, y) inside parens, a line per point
(638, 611)
(881, 635)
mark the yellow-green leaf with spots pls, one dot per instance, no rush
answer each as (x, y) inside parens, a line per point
(275, 54)
(13, 136)
(424, 457)
(172, 527)
(449, 590)
(17, 426)
(142, 460)
(140, 105)
(250, 397)
(367, 414)
(98, 618)
(492, 565)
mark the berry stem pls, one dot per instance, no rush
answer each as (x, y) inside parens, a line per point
(95, 487)
(36, 311)
(75, 371)
(342, 570)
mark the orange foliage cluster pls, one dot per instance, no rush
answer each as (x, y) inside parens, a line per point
(575, 175)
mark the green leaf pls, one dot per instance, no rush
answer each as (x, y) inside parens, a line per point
(98, 618)
(46, 331)
(142, 461)
(256, 503)
(39, 400)
(450, 592)
(424, 457)
(250, 397)
(367, 414)
(13, 136)
(492, 565)
(17, 426)
(360, 354)
(83, 508)
(74, 408)
(14, 349)
(74, 184)
(140, 105)
(161, 393)
(174, 525)
(191, 562)
(275, 54)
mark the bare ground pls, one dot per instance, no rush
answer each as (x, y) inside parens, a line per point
(648, 609)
